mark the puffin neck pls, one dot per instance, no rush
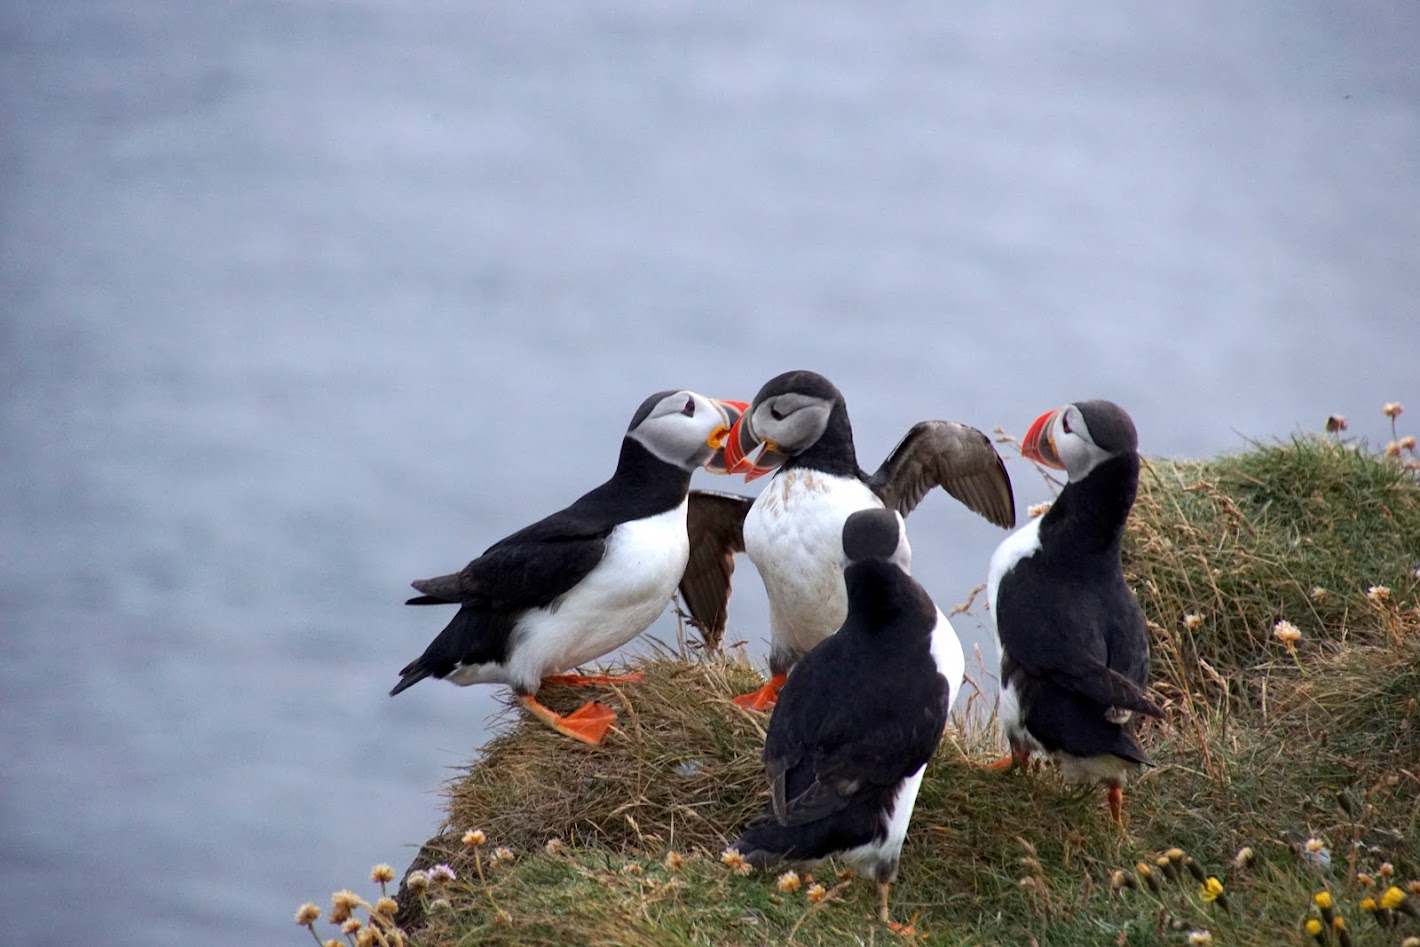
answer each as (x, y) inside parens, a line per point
(1092, 511)
(833, 452)
(654, 483)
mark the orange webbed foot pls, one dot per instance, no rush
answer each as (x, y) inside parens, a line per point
(764, 698)
(587, 724)
(1008, 762)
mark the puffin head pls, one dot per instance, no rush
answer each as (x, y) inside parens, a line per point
(876, 534)
(788, 416)
(685, 428)
(1079, 437)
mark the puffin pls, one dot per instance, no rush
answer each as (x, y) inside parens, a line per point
(860, 716)
(792, 530)
(580, 583)
(1073, 641)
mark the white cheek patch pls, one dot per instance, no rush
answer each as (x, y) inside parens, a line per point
(1077, 450)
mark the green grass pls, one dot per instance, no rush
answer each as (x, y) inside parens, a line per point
(1260, 748)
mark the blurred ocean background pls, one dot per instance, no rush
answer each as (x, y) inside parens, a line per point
(302, 300)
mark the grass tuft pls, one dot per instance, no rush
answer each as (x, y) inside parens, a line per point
(1286, 795)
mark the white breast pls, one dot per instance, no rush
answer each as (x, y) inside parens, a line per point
(618, 600)
(794, 536)
(948, 655)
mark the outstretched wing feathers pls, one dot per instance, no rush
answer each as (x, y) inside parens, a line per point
(956, 457)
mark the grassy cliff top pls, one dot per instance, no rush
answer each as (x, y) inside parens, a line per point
(1306, 752)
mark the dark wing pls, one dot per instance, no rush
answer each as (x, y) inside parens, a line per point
(956, 457)
(529, 569)
(832, 741)
(1065, 641)
(715, 523)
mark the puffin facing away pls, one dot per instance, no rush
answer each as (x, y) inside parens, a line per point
(584, 581)
(1073, 641)
(793, 530)
(860, 716)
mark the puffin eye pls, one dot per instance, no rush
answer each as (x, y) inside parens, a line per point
(1065, 423)
(689, 409)
(775, 414)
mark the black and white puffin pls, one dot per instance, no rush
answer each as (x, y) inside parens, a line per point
(1073, 641)
(793, 530)
(586, 580)
(860, 716)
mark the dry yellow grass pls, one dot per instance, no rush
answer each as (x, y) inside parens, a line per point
(1307, 755)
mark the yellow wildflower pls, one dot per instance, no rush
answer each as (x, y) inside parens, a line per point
(788, 882)
(816, 893)
(1212, 889)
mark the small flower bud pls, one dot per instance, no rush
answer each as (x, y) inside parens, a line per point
(474, 838)
(382, 873)
(307, 914)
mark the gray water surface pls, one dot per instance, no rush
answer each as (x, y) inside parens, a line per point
(304, 300)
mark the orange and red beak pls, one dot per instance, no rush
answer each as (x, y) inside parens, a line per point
(720, 440)
(1039, 444)
(741, 442)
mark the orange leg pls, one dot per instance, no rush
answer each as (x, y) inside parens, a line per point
(588, 723)
(1116, 804)
(765, 697)
(1010, 761)
(592, 680)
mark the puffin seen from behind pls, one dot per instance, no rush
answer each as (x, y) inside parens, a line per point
(1073, 641)
(584, 581)
(861, 715)
(792, 530)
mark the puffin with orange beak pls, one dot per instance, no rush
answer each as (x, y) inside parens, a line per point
(1073, 641)
(581, 583)
(793, 531)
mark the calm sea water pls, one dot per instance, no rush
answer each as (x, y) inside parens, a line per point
(304, 300)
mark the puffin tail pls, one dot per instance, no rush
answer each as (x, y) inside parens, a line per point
(412, 674)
